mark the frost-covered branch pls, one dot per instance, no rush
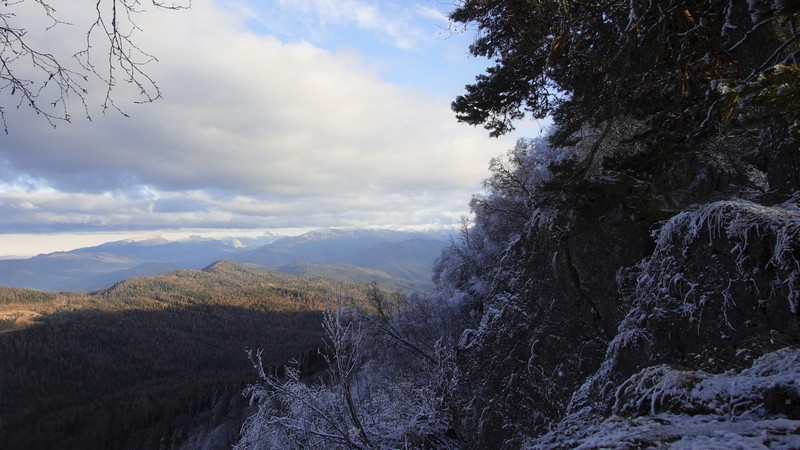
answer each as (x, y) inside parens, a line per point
(360, 406)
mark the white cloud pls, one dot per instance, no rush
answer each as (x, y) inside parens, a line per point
(386, 19)
(432, 13)
(252, 132)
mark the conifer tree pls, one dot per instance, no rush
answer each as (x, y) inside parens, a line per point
(668, 76)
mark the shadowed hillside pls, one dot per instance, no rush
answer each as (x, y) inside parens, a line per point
(132, 364)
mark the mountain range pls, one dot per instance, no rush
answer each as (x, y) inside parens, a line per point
(394, 259)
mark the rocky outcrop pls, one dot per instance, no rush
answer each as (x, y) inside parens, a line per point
(721, 290)
(555, 306)
(667, 407)
(586, 301)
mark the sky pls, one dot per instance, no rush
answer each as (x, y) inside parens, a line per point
(276, 115)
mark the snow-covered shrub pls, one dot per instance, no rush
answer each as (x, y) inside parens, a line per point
(409, 332)
(368, 400)
(393, 414)
(466, 269)
(761, 242)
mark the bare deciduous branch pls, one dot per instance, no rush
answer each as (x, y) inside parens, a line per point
(48, 83)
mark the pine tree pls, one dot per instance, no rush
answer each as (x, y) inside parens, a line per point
(660, 79)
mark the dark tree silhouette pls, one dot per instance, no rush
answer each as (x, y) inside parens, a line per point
(681, 70)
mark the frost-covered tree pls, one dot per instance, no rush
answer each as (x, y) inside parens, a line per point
(385, 386)
(513, 195)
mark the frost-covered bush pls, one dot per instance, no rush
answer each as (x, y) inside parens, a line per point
(296, 414)
(372, 399)
(726, 257)
(511, 199)
(410, 332)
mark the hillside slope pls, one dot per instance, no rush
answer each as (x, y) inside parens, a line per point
(133, 364)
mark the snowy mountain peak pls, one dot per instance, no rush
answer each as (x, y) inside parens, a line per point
(146, 239)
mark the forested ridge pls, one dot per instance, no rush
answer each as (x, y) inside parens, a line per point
(133, 365)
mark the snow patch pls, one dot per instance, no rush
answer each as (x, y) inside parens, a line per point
(667, 407)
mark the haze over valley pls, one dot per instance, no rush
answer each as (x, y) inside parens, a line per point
(400, 260)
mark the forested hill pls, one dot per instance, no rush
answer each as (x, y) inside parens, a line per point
(132, 366)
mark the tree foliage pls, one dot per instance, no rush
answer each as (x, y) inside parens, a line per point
(514, 194)
(669, 65)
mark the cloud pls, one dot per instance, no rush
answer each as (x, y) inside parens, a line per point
(252, 132)
(394, 22)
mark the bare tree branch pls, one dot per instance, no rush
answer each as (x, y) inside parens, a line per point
(48, 83)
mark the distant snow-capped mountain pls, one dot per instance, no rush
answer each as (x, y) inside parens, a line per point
(406, 257)
(98, 266)
(401, 258)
